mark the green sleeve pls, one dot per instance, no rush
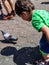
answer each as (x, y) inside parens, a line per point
(37, 22)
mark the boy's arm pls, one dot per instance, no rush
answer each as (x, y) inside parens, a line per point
(45, 30)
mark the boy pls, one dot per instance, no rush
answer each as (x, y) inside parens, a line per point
(40, 21)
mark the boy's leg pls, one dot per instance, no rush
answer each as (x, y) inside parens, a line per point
(43, 62)
(44, 48)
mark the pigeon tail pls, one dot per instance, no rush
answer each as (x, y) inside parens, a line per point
(14, 38)
(3, 32)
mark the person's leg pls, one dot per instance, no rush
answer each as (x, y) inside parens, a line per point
(8, 9)
(45, 60)
(2, 14)
(44, 49)
(11, 4)
(12, 7)
(6, 5)
(1, 8)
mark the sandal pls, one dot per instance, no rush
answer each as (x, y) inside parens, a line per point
(13, 12)
(9, 16)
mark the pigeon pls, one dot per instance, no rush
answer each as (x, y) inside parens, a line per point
(8, 37)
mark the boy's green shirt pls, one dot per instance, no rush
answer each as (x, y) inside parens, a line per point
(40, 18)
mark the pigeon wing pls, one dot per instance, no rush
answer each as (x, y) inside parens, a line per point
(12, 38)
(6, 36)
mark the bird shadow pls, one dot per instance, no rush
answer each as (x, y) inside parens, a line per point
(23, 55)
(9, 42)
(44, 2)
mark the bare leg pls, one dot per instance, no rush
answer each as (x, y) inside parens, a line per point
(6, 5)
(1, 8)
(12, 4)
(12, 7)
(1, 11)
(8, 9)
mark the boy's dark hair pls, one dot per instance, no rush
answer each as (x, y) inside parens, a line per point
(23, 5)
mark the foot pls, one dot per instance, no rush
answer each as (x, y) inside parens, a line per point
(3, 17)
(13, 13)
(9, 16)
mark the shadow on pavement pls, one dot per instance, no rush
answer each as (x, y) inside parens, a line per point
(23, 55)
(44, 2)
(9, 42)
(7, 51)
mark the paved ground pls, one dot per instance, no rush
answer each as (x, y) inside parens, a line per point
(28, 38)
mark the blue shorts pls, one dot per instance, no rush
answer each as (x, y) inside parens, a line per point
(44, 44)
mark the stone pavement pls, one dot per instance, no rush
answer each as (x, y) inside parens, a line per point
(28, 38)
